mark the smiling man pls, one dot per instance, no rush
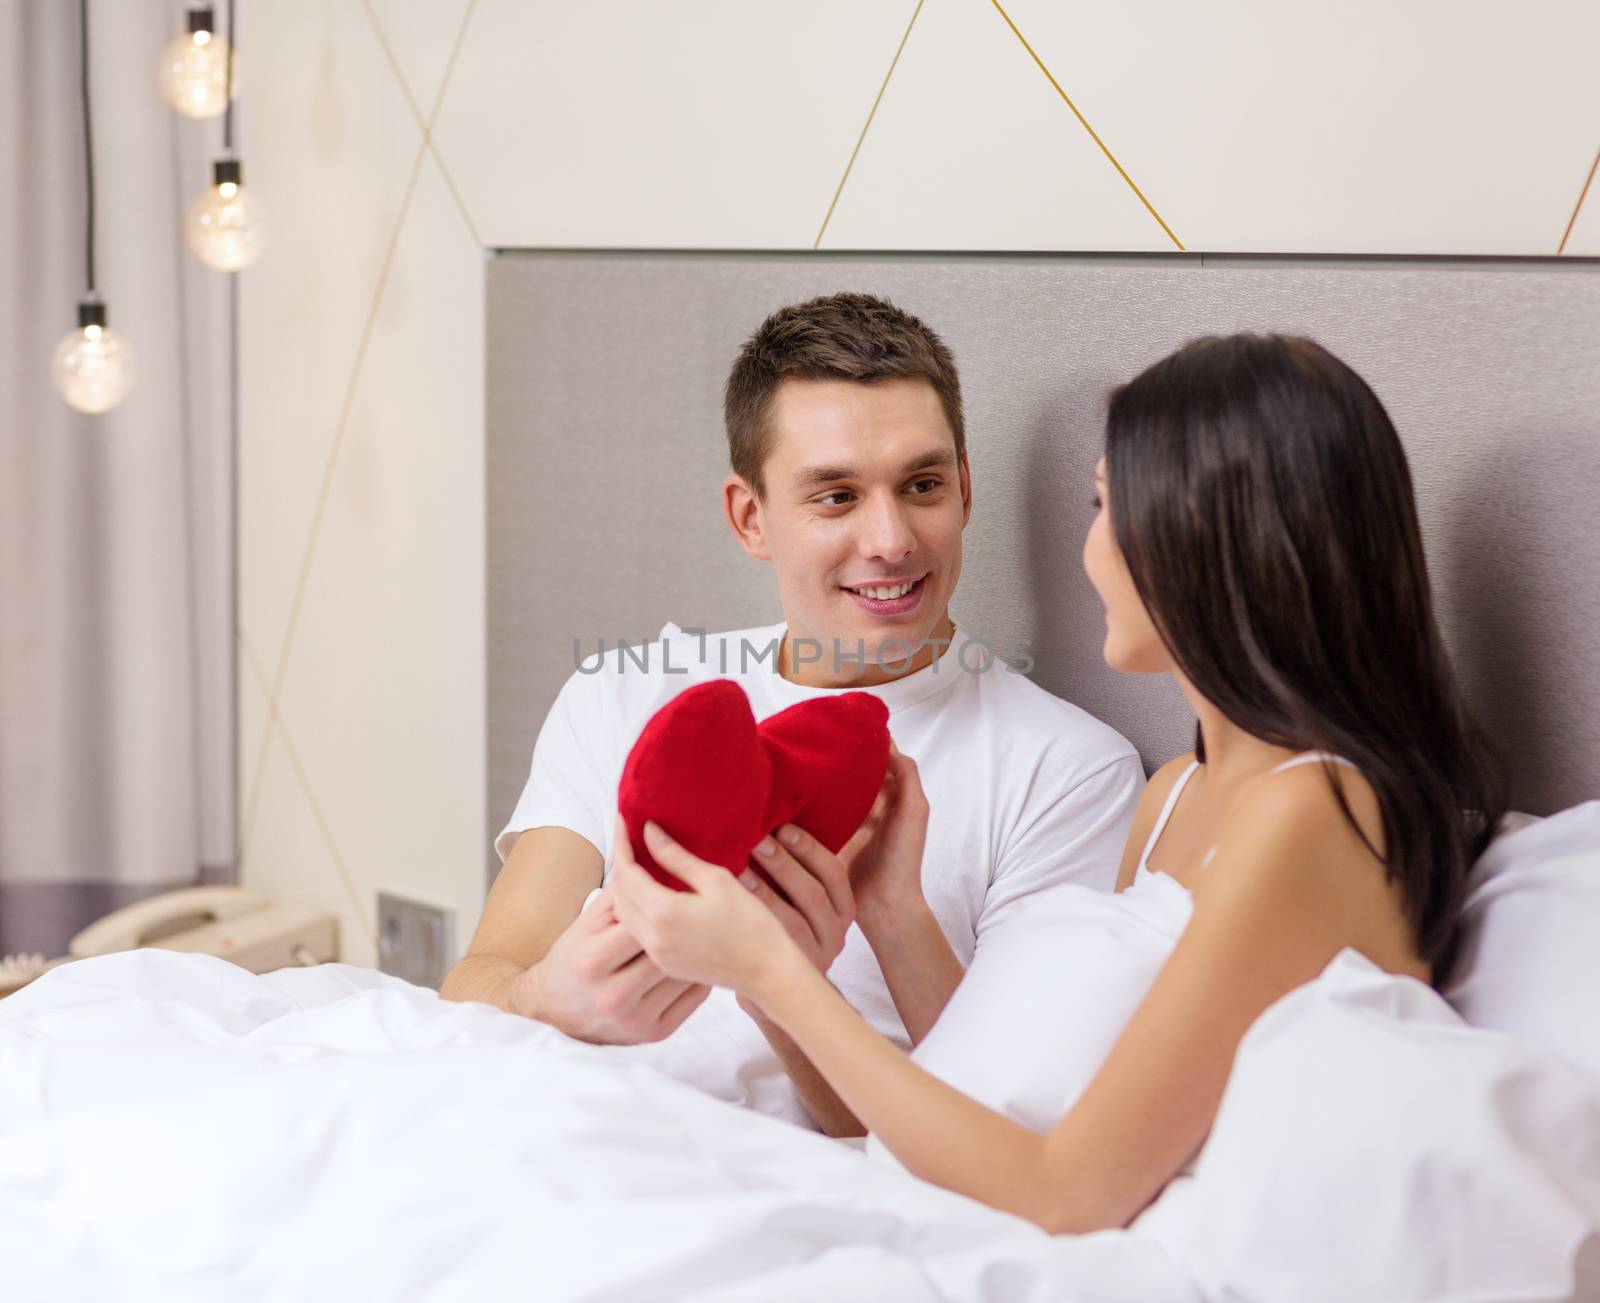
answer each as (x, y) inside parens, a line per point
(863, 574)
(850, 477)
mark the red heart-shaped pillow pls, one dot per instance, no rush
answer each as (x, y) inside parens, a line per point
(718, 782)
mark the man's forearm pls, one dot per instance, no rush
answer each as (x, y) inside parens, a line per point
(827, 1110)
(486, 978)
(922, 973)
(921, 969)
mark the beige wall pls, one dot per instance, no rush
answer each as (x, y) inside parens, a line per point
(361, 479)
(397, 140)
(1429, 126)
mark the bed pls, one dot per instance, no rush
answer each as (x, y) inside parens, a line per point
(174, 1127)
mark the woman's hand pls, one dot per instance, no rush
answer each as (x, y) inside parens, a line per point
(884, 857)
(813, 900)
(716, 932)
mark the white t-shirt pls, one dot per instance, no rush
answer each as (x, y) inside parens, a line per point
(1024, 790)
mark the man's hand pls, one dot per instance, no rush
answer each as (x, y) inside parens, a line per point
(596, 983)
(883, 860)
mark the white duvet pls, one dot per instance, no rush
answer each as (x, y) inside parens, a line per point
(173, 1127)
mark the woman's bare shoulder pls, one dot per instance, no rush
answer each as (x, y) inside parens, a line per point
(1290, 860)
(1167, 775)
(1293, 822)
(1310, 794)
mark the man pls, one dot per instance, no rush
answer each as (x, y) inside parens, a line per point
(850, 476)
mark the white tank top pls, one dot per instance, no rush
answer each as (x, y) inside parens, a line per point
(1183, 780)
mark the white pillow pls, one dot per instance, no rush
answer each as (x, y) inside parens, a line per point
(1530, 956)
(1371, 1145)
(1054, 979)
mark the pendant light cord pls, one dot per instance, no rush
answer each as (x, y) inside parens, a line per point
(227, 92)
(88, 140)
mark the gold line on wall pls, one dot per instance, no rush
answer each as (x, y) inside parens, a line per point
(433, 121)
(450, 185)
(1067, 99)
(305, 785)
(314, 535)
(425, 125)
(252, 805)
(394, 64)
(450, 64)
(906, 36)
(1578, 207)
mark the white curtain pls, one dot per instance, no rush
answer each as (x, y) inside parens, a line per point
(116, 624)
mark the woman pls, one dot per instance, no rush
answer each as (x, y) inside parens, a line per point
(1256, 539)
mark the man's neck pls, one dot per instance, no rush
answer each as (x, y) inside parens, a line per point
(845, 671)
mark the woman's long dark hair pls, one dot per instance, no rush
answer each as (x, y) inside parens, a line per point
(1263, 503)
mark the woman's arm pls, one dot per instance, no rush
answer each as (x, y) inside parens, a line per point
(719, 930)
(1274, 908)
(937, 1132)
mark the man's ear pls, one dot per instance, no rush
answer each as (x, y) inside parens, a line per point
(742, 509)
(966, 490)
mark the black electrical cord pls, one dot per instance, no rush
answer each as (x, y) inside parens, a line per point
(88, 139)
(227, 91)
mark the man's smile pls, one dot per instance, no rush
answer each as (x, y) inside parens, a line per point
(888, 597)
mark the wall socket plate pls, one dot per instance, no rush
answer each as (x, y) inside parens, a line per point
(415, 940)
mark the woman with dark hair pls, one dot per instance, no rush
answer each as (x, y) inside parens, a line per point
(1257, 539)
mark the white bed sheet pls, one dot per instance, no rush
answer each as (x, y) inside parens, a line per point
(173, 1127)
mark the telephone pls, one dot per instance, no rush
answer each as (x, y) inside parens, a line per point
(229, 922)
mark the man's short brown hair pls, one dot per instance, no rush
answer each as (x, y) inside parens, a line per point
(840, 337)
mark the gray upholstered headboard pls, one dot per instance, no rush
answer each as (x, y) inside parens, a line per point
(606, 456)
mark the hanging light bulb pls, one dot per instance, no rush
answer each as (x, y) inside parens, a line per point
(226, 226)
(93, 366)
(194, 68)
